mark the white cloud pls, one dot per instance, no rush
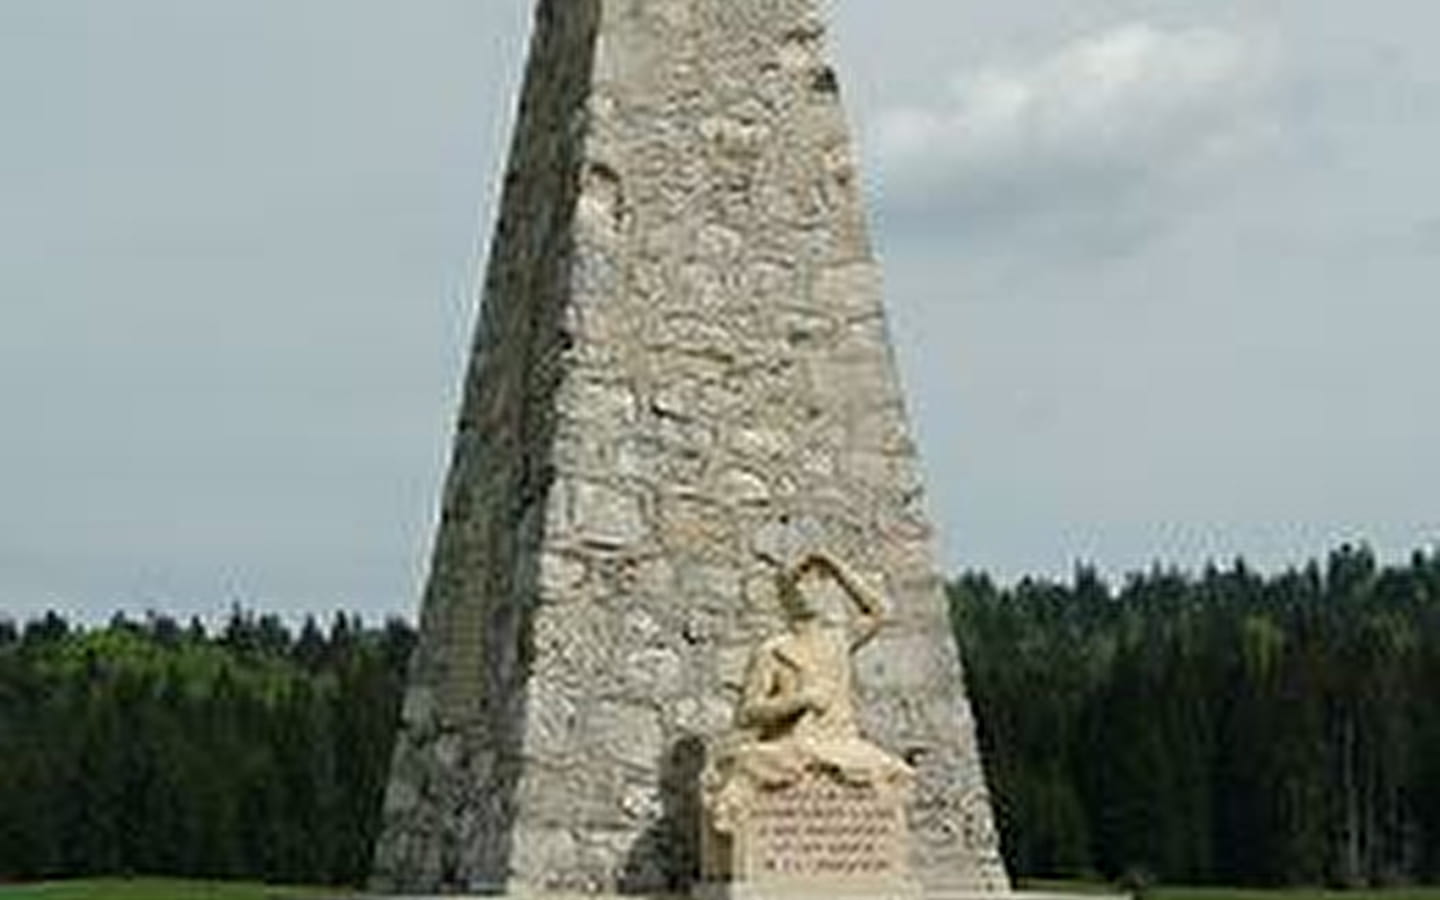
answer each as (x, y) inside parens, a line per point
(1088, 131)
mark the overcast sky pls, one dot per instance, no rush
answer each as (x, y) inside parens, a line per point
(1163, 276)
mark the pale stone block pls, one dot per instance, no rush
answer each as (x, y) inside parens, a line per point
(601, 401)
(642, 801)
(401, 793)
(555, 721)
(764, 443)
(573, 643)
(730, 665)
(706, 583)
(606, 516)
(898, 661)
(627, 733)
(743, 487)
(655, 577)
(641, 628)
(561, 574)
(710, 715)
(418, 707)
(544, 849)
(654, 671)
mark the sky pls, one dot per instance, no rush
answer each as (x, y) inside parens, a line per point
(1161, 274)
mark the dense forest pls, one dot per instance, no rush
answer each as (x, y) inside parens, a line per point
(1227, 727)
(148, 747)
(1224, 726)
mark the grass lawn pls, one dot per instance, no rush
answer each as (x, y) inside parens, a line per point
(161, 889)
(171, 889)
(1180, 893)
(1166, 892)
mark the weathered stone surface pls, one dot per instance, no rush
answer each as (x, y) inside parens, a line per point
(680, 376)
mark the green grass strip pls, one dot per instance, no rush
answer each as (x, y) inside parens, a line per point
(162, 889)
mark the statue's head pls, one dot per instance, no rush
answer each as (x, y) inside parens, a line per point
(808, 594)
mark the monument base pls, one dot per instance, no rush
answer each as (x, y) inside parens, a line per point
(810, 889)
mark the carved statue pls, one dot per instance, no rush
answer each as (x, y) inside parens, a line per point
(796, 717)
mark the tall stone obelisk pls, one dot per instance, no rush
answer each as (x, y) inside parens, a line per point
(681, 377)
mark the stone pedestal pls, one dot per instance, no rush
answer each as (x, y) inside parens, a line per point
(813, 889)
(819, 837)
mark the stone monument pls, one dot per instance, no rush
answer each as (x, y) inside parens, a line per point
(681, 380)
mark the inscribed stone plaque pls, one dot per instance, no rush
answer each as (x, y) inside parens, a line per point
(823, 827)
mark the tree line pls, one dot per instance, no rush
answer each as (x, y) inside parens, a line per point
(1221, 727)
(155, 748)
(1225, 727)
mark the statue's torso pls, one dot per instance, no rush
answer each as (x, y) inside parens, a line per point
(819, 663)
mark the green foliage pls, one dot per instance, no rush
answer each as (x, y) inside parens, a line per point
(144, 747)
(1217, 728)
(1225, 728)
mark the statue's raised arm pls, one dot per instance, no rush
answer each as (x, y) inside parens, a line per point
(772, 699)
(870, 605)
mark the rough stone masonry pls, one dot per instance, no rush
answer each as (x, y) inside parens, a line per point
(681, 375)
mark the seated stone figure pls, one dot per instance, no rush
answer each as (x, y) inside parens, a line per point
(797, 744)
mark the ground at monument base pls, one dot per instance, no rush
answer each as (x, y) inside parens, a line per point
(821, 890)
(175, 889)
(809, 889)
